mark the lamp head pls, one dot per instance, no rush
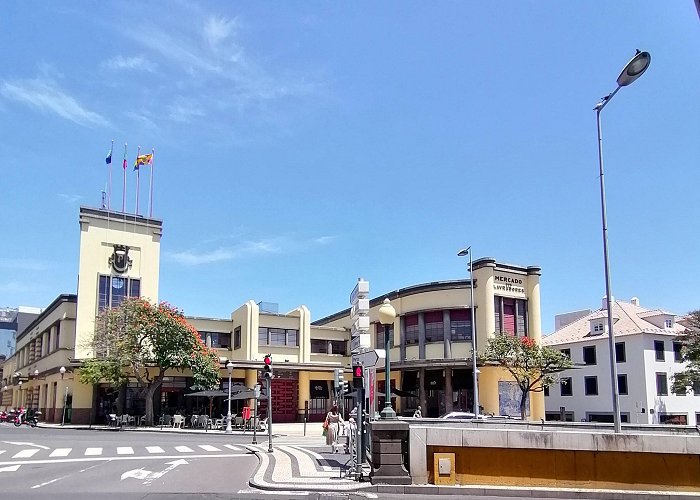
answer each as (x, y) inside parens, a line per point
(36, 373)
(387, 313)
(62, 371)
(634, 69)
(229, 367)
(464, 252)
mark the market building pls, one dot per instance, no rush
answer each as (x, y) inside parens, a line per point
(430, 338)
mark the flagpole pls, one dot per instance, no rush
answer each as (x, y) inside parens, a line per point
(150, 195)
(109, 191)
(138, 172)
(124, 188)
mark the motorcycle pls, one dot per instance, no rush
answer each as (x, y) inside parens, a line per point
(31, 419)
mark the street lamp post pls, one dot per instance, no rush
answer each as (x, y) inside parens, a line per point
(229, 430)
(475, 371)
(62, 371)
(21, 401)
(387, 315)
(632, 70)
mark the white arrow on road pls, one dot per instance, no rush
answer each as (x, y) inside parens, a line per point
(149, 476)
(27, 444)
(11, 468)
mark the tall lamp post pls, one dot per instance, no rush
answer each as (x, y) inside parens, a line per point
(62, 371)
(21, 401)
(387, 315)
(632, 70)
(475, 371)
(229, 367)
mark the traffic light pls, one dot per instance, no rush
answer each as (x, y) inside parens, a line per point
(343, 384)
(357, 376)
(267, 369)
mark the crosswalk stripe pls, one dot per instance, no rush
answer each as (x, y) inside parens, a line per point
(26, 453)
(60, 452)
(154, 449)
(184, 449)
(93, 451)
(2, 451)
(208, 447)
(125, 450)
(231, 447)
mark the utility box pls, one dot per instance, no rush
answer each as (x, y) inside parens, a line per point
(444, 468)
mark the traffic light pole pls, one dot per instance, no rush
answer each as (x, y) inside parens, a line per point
(269, 415)
(359, 429)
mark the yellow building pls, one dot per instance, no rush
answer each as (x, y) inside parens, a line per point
(430, 355)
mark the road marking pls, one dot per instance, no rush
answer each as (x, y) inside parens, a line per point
(48, 482)
(11, 468)
(61, 452)
(93, 451)
(27, 444)
(2, 451)
(157, 475)
(125, 450)
(115, 459)
(184, 449)
(26, 454)
(154, 449)
(231, 447)
(208, 447)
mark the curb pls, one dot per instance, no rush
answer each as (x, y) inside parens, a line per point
(103, 428)
(257, 480)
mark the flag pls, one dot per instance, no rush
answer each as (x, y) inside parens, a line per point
(124, 165)
(143, 160)
(108, 160)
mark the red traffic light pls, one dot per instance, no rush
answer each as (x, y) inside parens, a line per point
(268, 359)
(357, 371)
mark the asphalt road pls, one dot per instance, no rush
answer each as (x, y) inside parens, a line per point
(65, 463)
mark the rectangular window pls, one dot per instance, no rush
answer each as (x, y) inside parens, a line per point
(338, 347)
(379, 335)
(546, 390)
(589, 357)
(696, 390)
(659, 350)
(262, 336)
(598, 328)
(509, 316)
(237, 338)
(677, 352)
(622, 384)
(668, 323)
(112, 290)
(497, 305)
(57, 345)
(411, 329)
(673, 418)
(434, 329)
(591, 385)
(218, 340)
(620, 354)
(460, 324)
(566, 352)
(661, 384)
(319, 346)
(292, 337)
(567, 388)
(521, 318)
(278, 336)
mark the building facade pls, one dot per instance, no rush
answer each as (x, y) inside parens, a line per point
(647, 355)
(430, 355)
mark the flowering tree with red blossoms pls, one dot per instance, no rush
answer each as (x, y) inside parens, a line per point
(141, 341)
(532, 365)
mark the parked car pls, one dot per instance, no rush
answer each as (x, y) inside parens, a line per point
(462, 415)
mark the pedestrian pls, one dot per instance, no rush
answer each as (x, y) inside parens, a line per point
(418, 413)
(332, 424)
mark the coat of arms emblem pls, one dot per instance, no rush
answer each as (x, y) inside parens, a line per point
(119, 260)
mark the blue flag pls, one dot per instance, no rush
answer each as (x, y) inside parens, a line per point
(108, 160)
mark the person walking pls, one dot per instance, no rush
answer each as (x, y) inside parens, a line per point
(333, 422)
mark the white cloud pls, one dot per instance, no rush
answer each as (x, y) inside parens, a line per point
(23, 264)
(44, 95)
(184, 112)
(195, 258)
(217, 29)
(70, 198)
(143, 119)
(137, 63)
(325, 240)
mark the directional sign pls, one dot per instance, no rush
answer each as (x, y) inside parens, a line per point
(368, 359)
(360, 341)
(360, 291)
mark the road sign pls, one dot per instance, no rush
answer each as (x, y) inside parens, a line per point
(360, 291)
(360, 341)
(369, 359)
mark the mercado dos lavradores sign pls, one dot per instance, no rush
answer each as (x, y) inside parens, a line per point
(509, 284)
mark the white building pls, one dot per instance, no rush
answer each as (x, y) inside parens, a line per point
(647, 354)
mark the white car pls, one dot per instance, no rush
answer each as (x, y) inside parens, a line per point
(462, 415)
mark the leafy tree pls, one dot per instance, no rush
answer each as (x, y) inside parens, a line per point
(140, 341)
(690, 340)
(532, 365)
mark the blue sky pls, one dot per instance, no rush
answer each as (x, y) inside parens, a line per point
(301, 145)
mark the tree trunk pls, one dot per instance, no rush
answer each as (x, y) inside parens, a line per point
(148, 393)
(523, 404)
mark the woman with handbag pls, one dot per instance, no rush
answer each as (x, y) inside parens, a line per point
(332, 427)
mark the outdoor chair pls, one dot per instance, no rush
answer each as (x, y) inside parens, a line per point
(131, 420)
(165, 419)
(113, 420)
(238, 422)
(193, 421)
(124, 420)
(178, 421)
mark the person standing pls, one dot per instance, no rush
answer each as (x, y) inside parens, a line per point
(333, 422)
(418, 413)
